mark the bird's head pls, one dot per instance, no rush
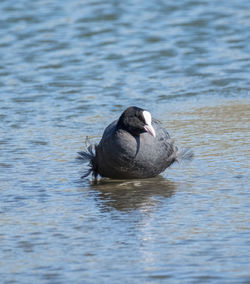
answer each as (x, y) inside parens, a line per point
(136, 121)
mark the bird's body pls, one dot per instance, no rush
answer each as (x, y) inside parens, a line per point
(122, 155)
(126, 152)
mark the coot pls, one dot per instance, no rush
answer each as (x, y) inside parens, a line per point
(134, 146)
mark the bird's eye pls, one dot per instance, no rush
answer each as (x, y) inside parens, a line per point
(141, 117)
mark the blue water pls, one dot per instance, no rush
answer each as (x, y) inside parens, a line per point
(67, 69)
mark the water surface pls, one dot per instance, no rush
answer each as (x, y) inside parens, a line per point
(67, 69)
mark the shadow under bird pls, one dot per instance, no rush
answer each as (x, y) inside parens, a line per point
(134, 146)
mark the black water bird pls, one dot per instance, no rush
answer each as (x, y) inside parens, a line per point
(134, 146)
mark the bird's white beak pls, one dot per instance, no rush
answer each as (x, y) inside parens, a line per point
(150, 130)
(148, 119)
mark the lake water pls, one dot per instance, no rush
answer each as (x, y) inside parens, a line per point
(67, 69)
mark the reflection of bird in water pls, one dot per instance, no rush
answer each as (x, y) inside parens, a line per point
(134, 146)
(134, 194)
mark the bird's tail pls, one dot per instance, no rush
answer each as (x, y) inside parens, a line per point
(185, 155)
(89, 155)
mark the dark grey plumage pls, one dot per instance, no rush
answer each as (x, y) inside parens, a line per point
(129, 150)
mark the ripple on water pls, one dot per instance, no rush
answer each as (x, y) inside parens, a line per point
(67, 69)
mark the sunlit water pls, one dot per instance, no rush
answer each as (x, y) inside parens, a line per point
(67, 69)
